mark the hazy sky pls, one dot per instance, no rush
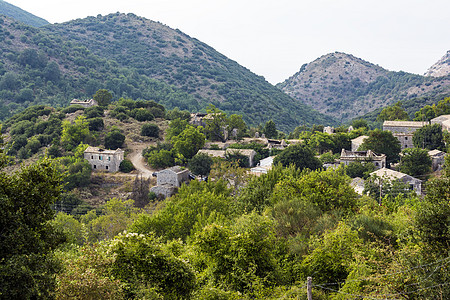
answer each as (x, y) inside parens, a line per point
(274, 38)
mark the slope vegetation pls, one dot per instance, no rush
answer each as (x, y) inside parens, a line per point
(346, 87)
(19, 14)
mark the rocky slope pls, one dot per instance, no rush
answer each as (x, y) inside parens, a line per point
(346, 87)
(440, 68)
(19, 14)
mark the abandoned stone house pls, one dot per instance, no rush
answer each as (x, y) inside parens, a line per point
(388, 174)
(84, 103)
(437, 159)
(169, 180)
(356, 142)
(403, 131)
(106, 160)
(379, 160)
(443, 120)
(250, 153)
(328, 129)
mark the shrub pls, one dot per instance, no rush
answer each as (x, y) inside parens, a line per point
(126, 166)
(151, 130)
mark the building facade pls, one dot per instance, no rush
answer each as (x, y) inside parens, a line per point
(106, 160)
(84, 103)
(347, 157)
(403, 131)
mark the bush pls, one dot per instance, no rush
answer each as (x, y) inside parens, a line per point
(151, 130)
(142, 114)
(114, 140)
(126, 166)
(96, 124)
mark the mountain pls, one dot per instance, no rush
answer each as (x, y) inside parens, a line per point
(19, 14)
(140, 59)
(440, 68)
(159, 52)
(345, 87)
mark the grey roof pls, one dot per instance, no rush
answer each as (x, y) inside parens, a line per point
(404, 123)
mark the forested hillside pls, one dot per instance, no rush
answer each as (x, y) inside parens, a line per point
(346, 87)
(134, 58)
(19, 14)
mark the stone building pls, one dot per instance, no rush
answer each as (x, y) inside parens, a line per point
(379, 160)
(388, 174)
(101, 159)
(328, 129)
(356, 142)
(169, 180)
(403, 131)
(437, 159)
(443, 120)
(250, 153)
(84, 103)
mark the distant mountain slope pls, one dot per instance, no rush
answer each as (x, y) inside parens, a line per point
(19, 14)
(346, 87)
(161, 53)
(440, 68)
(37, 67)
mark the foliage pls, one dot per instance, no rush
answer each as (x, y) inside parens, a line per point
(216, 124)
(103, 97)
(415, 162)
(74, 134)
(429, 137)
(200, 164)
(240, 160)
(188, 142)
(126, 166)
(359, 169)
(161, 156)
(176, 127)
(382, 142)
(270, 130)
(114, 139)
(27, 266)
(393, 113)
(300, 156)
(151, 130)
(142, 262)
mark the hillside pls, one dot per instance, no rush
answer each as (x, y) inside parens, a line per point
(440, 68)
(159, 52)
(19, 14)
(346, 87)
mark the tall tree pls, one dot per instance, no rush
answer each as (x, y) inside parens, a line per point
(270, 130)
(415, 162)
(188, 142)
(429, 137)
(393, 113)
(301, 156)
(103, 97)
(27, 266)
(383, 142)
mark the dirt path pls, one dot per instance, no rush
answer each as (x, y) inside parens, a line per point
(135, 156)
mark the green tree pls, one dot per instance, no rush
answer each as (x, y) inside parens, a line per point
(393, 113)
(126, 166)
(200, 164)
(103, 97)
(27, 265)
(114, 139)
(301, 156)
(443, 107)
(151, 130)
(176, 126)
(235, 122)
(74, 134)
(270, 130)
(216, 122)
(188, 142)
(425, 114)
(415, 162)
(429, 137)
(359, 169)
(383, 142)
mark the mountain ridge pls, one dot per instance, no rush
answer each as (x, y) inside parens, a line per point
(21, 15)
(346, 87)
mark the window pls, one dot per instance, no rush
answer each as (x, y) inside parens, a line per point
(106, 167)
(109, 158)
(92, 156)
(95, 166)
(100, 157)
(406, 138)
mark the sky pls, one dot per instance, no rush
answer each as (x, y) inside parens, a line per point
(275, 38)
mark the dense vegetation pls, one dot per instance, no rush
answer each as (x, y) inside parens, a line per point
(133, 58)
(19, 14)
(346, 87)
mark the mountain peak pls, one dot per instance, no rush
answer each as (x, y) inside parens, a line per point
(21, 15)
(440, 68)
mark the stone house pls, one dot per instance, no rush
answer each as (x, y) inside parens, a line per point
(356, 142)
(84, 103)
(414, 183)
(403, 131)
(437, 159)
(101, 159)
(328, 129)
(443, 120)
(250, 153)
(379, 160)
(169, 180)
